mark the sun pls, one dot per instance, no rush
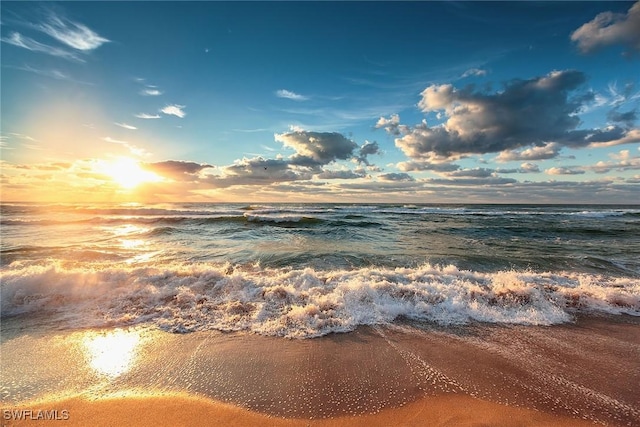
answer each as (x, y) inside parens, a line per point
(127, 173)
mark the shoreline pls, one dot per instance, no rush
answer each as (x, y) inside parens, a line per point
(406, 373)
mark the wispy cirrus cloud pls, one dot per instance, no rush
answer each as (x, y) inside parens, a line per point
(174, 110)
(50, 73)
(17, 39)
(477, 72)
(137, 151)
(73, 34)
(147, 116)
(125, 126)
(283, 93)
(151, 91)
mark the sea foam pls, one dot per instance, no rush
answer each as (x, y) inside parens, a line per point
(305, 302)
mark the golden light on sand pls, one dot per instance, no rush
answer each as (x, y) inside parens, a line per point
(112, 353)
(127, 173)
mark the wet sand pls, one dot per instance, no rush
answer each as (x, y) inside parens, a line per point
(407, 374)
(185, 410)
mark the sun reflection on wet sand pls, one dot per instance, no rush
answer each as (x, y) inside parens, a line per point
(111, 353)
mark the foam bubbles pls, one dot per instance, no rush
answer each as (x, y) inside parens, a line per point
(304, 302)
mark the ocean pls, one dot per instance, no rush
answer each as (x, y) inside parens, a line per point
(308, 270)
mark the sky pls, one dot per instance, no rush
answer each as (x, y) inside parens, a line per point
(355, 102)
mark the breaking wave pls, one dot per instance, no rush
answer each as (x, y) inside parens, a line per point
(303, 303)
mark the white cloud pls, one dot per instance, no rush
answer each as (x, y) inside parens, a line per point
(126, 126)
(474, 72)
(113, 140)
(73, 34)
(283, 93)
(564, 171)
(174, 110)
(147, 116)
(547, 151)
(149, 91)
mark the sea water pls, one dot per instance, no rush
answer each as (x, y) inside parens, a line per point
(306, 270)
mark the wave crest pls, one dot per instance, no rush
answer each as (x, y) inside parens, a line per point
(304, 303)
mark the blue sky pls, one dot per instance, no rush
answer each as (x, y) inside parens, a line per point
(464, 102)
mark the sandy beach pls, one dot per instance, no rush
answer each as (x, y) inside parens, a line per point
(405, 374)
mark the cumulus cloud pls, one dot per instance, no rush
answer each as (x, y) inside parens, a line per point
(283, 93)
(259, 171)
(392, 125)
(488, 181)
(174, 110)
(396, 177)
(529, 168)
(608, 29)
(367, 149)
(317, 148)
(564, 171)
(538, 115)
(524, 168)
(417, 166)
(546, 151)
(620, 161)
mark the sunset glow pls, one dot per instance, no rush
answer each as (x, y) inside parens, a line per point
(448, 102)
(127, 173)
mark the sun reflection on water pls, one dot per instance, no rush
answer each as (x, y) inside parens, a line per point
(112, 353)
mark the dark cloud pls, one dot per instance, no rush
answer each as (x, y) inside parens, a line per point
(401, 177)
(176, 169)
(472, 181)
(317, 148)
(526, 112)
(608, 29)
(529, 168)
(367, 149)
(259, 171)
(472, 173)
(627, 118)
(417, 166)
(341, 174)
